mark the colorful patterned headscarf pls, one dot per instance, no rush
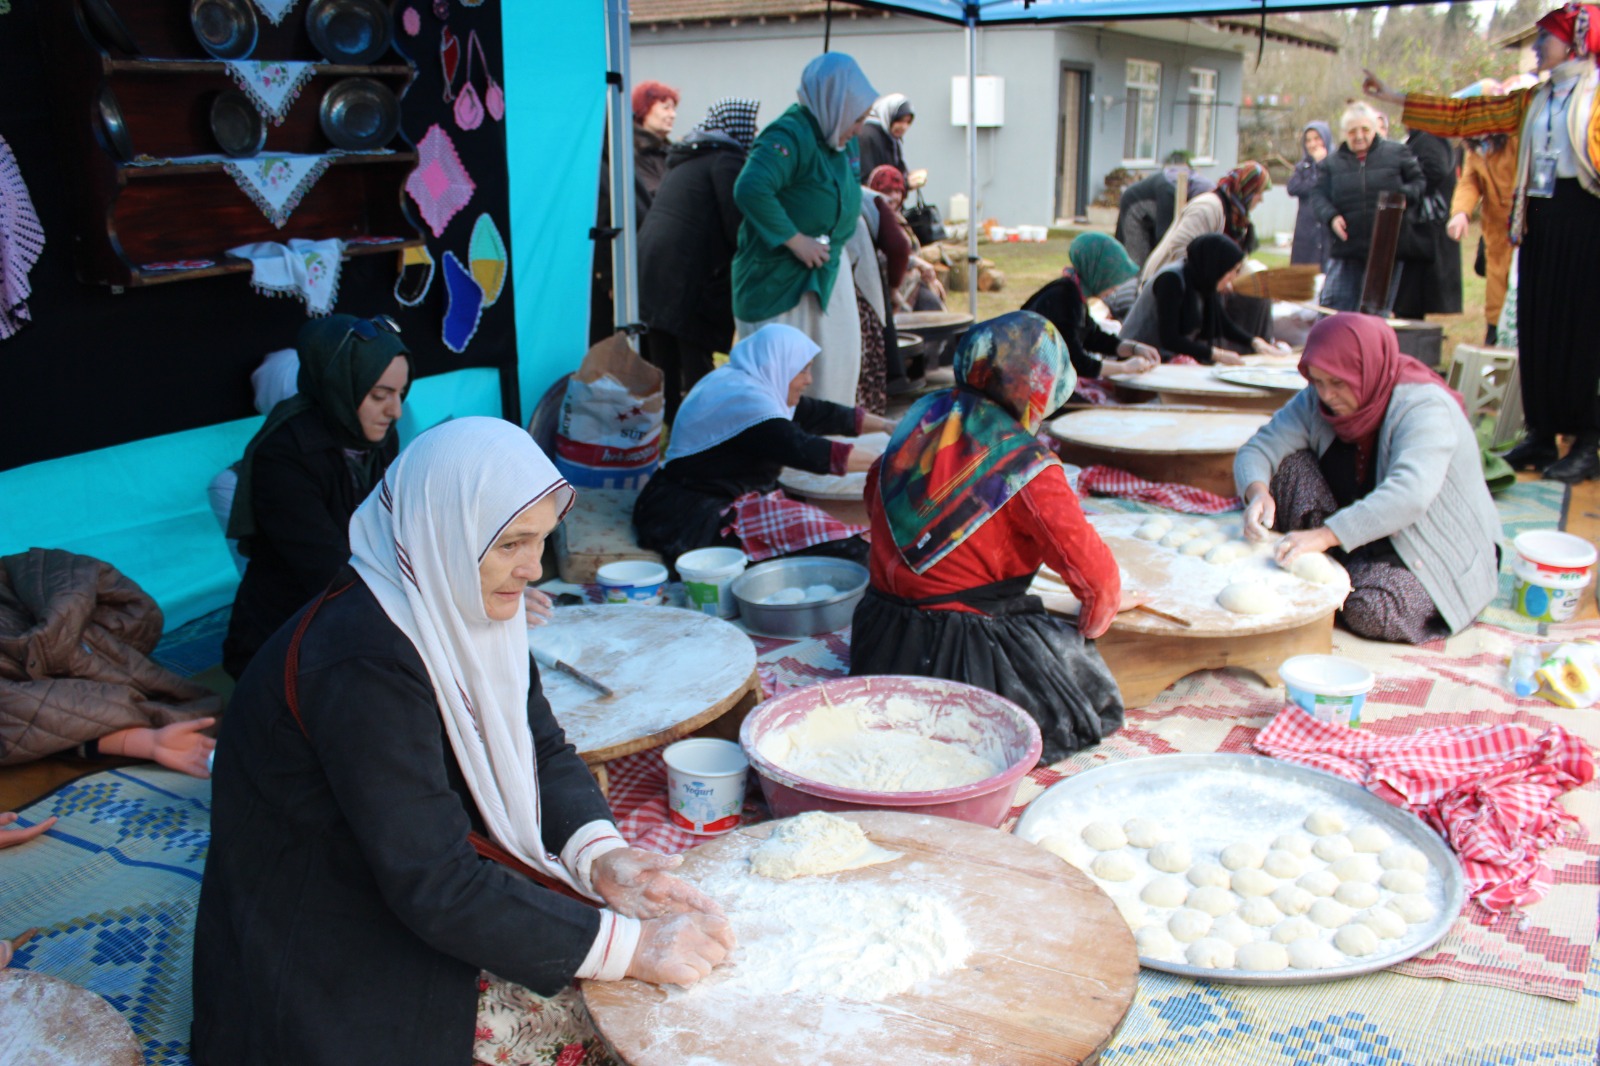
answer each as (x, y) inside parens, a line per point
(1236, 188)
(734, 116)
(1101, 262)
(960, 454)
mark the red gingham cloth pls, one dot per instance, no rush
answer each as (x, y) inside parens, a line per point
(1094, 390)
(774, 524)
(1490, 790)
(1109, 481)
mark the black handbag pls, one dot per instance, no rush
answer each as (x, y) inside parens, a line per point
(924, 221)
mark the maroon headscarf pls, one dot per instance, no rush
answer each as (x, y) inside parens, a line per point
(1363, 351)
(886, 179)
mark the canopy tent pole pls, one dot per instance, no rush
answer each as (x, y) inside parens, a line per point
(619, 140)
(972, 160)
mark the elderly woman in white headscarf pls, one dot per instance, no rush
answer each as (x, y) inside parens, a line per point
(395, 809)
(882, 136)
(800, 199)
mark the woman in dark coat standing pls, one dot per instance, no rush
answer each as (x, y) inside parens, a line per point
(307, 470)
(686, 248)
(1310, 234)
(1431, 281)
(880, 139)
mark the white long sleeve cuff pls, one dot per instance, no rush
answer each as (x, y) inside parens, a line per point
(612, 951)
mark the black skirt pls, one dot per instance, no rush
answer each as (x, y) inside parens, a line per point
(1559, 362)
(1016, 650)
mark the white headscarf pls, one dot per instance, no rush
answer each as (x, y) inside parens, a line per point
(752, 388)
(883, 111)
(836, 93)
(417, 542)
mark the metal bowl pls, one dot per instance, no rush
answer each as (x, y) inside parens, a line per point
(118, 143)
(350, 31)
(359, 114)
(226, 29)
(236, 125)
(107, 26)
(799, 619)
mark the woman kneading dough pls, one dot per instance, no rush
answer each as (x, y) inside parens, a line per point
(1180, 311)
(393, 795)
(966, 504)
(737, 429)
(1376, 464)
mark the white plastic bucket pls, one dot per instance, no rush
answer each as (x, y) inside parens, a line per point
(1327, 687)
(632, 581)
(1551, 569)
(708, 575)
(705, 785)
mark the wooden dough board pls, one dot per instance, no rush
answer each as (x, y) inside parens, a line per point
(45, 1021)
(1188, 447)
(1171, 383)
(672, 670)
(840, 495)
(1052, 973)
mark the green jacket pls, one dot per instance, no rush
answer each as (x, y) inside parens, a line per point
(792, 182)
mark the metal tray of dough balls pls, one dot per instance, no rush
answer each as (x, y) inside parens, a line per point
(1212, 801)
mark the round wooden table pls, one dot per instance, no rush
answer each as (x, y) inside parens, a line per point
(45, 1021)
(842, 495)
(1197, 385)
(1188, 447)
(1051, 975)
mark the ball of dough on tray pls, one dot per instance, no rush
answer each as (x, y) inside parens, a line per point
(1357, 868)
(1136, 914)
(1211, 953)
(1259, 911)
(1292, 899)
(1333, 848)
(1405, 882)
(1204, 525)
(1262, 955)
(1403, 857)
(1104, 836)
(1178, 536)
(1319, 883)
(1188, 925)
(1356, 940)
(1329, 913)
(1297, 928)
(1229, 551)
(1324, 822)
(1283, 864)
(1153, 528)
(1248, 597)
(1213, 900)
(1314, 955)
(1243, 855)
(1296, 844)
(1208, 873)
(1199, 545)
(1315, 568)
(1370, 838)
(1172, 856)
(1356, 893)
(1236, 931)
(1143, 833)
(1063, 847)
(1165, 892)
(1252, 882)
(1385, 923)
(1413, 908)
(1153, 941)
(1114, 866)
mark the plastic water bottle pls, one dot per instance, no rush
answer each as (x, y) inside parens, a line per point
(1524, 661)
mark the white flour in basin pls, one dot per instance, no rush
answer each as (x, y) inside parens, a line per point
(834, 746)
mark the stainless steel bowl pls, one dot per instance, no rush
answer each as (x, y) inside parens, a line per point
(226, 29)
(350, 31)
(359, 114)
(236, 125)
(799, 619)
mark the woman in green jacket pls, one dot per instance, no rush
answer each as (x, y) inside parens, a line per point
(800, 197)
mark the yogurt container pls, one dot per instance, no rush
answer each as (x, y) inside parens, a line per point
(633, 581)
(1551, 569)
(705, 785)
(708, 575)
(1329, 688)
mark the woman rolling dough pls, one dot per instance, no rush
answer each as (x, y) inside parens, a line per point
(1180, 311)
(1376, 463)
(1099, 266)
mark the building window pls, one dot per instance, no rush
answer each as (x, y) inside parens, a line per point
(1144, 108)
(1203, 114)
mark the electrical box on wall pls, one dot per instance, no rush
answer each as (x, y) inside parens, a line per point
(991, 100)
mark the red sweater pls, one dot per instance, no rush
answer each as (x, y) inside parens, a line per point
(1041, 524)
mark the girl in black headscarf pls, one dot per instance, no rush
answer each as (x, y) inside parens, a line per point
(1179, 311)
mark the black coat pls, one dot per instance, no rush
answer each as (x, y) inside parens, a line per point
(1146, 209)
(1311, 234)
(1431, 281)
(304, 495)
(1350, 187)
(877, 149)
(687, 243)
(1061, 301)
(343, 916)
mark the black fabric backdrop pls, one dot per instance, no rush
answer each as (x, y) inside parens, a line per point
(95, 369)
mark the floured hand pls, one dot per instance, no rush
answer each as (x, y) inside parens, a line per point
(636, 883)
(681, 949)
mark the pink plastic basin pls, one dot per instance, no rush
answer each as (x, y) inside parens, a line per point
(946, 711)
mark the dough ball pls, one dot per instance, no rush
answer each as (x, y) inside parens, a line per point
(1283, 864)
(1165, 892)
(1143, 833)
(1259, 911)
(1298, 928)
(820, 592)
(1198, 545)
(1413, 908)
(1356, 868)
(1356, 894)
(1384, 923)
(1356, 940)
(1114, 866)
(1212, 953)
(1319, 883)
(1292, 899)
(1230, 551)
(1252, 882)
(1243, 855)
(1405, 882)
(1104, 836)
(1213, 900)
(1315, 568)
(1154, 942)
(1403, 857)
(1236, 931)
(1296, 844)
(1262, 955)
(1172, 856)
(1189, 925)
(1153, 529)
(1208, 873)
(1313, 955)
(1369, 838)
(1248, 597)
(1333, 848)
(1066, 849)
(1178, 536)
(1324, 822)
(1329, 913)
(1204, 525)
(1136, 914)
(787, 595)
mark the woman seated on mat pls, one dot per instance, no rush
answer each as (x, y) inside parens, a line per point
(1098, 265)
(966, 504)
(1180, 312)
(1376, 464)
(396, 810)
(307, 470)
(737, 429)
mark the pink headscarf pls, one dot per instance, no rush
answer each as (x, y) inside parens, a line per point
(1363, 351)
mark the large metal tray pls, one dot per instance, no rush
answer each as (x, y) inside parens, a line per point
(1214, 800)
